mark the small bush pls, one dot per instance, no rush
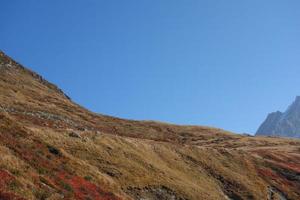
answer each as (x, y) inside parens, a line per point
(54, 150)
(88, 178)
(42, 194)
(16, 172)
(66, 186)
(45, 181)
(42, 170)
(14, 185)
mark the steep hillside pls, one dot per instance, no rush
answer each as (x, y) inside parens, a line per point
(52, 148)
(285, 124)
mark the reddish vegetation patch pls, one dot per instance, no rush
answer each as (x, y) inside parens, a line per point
(285, 161)
(84, 189)
(289, 166)
(268, 173)
(5, 180)
(9, 196)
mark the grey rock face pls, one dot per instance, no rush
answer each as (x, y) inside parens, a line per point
(285, 124)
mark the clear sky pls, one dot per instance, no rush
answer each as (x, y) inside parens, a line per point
(222, 63)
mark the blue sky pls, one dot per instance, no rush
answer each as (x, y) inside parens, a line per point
(218, 63)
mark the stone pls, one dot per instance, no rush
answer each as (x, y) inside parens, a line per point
(74, 134)
(285, 124)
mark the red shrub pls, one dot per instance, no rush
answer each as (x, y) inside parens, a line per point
(84, 189)
(5, 179)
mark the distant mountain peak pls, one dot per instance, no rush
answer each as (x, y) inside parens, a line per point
(286, 124)
(297, 100)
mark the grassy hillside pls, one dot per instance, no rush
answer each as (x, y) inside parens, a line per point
(52, 148)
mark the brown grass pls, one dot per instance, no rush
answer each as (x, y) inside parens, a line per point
(127, 158)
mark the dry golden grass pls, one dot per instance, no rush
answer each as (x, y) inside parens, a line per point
(49, 145)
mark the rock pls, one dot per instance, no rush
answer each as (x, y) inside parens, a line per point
(54, 150)
(285, 124)
(81, 129)
(74, 134)
(154, 193)
(98, 132)
(274, 193)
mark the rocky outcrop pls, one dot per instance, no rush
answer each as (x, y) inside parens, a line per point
(285, 124)
(154, 193)
(270, 123)
(274, 193)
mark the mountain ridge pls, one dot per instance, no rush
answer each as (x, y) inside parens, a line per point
(286, 124)
(7, 63)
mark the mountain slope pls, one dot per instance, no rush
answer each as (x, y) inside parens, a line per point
(52, 148)
(285, 124)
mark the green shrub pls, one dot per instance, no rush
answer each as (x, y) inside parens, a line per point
(42, 194)
(66, 186)
(88, 178)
